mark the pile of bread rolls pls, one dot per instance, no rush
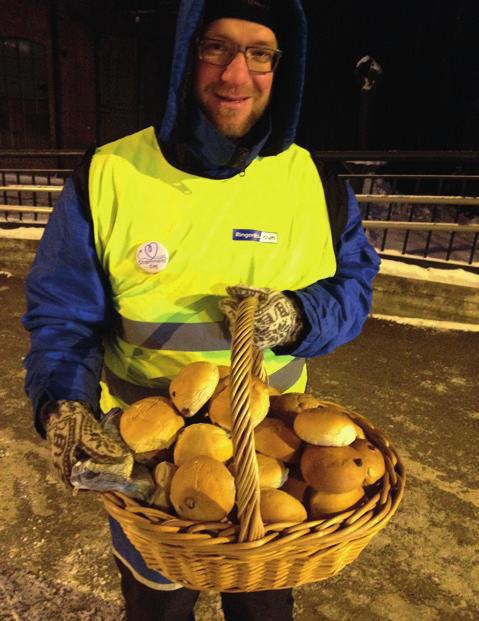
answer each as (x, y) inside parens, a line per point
(313, 459)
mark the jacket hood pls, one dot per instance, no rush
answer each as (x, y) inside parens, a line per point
(285, 107)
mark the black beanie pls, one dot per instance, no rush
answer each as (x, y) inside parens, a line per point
(259, 11)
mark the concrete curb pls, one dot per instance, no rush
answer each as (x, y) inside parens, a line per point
(393, 295)
(17, 254)
(423, 299)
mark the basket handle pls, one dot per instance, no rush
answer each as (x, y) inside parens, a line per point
(246, 361)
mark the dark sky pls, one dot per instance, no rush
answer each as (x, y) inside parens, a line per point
(428, 95)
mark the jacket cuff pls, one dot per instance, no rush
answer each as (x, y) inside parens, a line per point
(41, 406)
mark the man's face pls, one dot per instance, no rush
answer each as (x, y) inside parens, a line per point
(232, 97)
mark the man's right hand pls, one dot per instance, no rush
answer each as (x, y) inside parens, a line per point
(74, 433)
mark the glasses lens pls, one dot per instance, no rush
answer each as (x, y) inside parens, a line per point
(260, 59)
(216, 52)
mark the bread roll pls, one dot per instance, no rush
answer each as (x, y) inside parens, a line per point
(224, 370)
(163, 475)
(324, 503)
(334, 469)
(373, 460)
(151, 458)
(272, 472)
(274, 438)
(224, 381)
(359, 431)
(325, 427)
(151, 424)
(273, 392)
(193, 386)
(297, 488)
(278, 506)
(288, 405)
(202, 439)
(219, 409)
(203, 489)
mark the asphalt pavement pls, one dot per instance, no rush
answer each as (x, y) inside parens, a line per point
(418, 385)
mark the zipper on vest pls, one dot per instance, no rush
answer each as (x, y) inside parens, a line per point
(239, 160)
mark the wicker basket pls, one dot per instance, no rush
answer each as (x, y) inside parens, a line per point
(250, 556)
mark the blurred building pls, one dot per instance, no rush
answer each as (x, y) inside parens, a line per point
(75, 72)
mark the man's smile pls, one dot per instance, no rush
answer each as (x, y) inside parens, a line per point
(230, 101)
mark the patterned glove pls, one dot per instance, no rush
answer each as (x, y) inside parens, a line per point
(277, 319)
(74, 433)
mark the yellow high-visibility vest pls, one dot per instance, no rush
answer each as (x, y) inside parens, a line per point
(171, 242)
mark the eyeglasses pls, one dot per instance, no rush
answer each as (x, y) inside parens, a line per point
(221, 52)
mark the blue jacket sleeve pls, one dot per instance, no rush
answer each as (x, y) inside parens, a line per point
(67, 310)
(336, 308)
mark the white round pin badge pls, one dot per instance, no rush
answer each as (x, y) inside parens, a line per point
(152, 257)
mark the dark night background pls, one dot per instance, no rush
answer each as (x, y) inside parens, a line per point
(427, 97)
(106, 69)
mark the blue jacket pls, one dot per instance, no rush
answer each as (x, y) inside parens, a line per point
(68, 303)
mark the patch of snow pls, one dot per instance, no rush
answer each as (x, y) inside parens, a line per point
(23, 232)
(433, 274)
(428, 323)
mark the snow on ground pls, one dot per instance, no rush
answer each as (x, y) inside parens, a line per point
(449, 276)
(428, 323)
(433, 274)
(22, 232)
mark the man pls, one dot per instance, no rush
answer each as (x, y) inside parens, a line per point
(152, 231)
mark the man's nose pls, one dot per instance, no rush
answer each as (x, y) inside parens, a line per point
(237, 71)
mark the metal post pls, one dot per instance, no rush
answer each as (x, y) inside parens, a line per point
(367, 71)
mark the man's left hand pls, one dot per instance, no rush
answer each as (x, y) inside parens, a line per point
(278, 319)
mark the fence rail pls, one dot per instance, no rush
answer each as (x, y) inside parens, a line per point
(31, 188)
(424, 214)
(417, 200)
(24, 209)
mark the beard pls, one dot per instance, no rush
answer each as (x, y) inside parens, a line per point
(233, 124)
(227, 123)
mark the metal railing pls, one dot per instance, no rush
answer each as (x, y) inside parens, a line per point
(426, 222)
(28, 196)
(423, 215)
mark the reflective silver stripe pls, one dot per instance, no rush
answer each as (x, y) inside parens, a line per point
(288, 375)
(175, 336)
(158, 586)
(129, 393)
